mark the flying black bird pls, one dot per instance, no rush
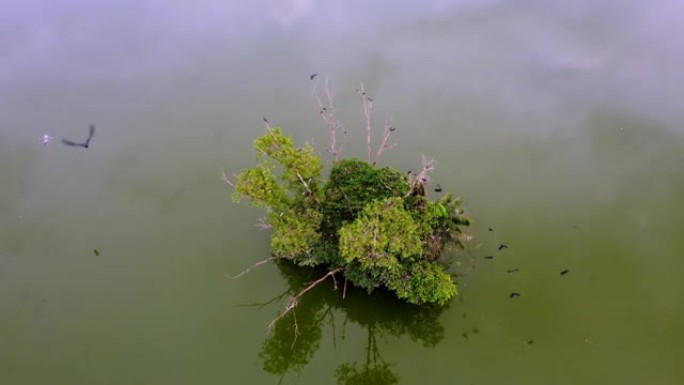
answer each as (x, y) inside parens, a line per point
(566, 271)
(312, 76)
(392, 129)
(438, 188)
(514, 294)
(86, 144)
(513, 270)
(503, 246)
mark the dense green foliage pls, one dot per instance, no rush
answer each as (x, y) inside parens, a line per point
(375, 223)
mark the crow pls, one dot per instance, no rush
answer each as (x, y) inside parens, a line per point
(86, 144)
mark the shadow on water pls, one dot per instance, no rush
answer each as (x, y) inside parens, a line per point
(296, 337)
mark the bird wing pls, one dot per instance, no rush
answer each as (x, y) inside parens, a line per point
(70, 143)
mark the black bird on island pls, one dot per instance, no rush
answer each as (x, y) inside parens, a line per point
(503, 246)
(514, 294)
(86, 144)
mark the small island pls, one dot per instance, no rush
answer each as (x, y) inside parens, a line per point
(371, 226)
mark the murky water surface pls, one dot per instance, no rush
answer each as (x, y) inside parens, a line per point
(560, 122)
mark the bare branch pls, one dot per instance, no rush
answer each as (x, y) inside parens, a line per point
(384, 146)
(367, 109)
(327, 111)
(423, 176)
(303, 182)
(252, 267)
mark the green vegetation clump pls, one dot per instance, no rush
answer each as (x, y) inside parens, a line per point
(375, 225)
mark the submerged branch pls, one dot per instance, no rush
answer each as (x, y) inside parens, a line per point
(252, 267)
(295, 300)
(225, 179)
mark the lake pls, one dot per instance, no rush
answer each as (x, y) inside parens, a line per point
(559, 122)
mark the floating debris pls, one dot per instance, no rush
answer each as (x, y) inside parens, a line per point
(529, 342)
(46, 139)
(475, 330)
(464, 335)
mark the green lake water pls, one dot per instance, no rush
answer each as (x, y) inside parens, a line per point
(559, 122)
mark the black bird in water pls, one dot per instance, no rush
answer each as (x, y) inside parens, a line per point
(566, 271)
(438, 188)
(488, 257)
(491, 229)
(514, 294)
(312, 76)
(513, 270)
(86, 144)
(503, 246)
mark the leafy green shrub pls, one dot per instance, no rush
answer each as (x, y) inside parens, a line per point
(376, 225)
